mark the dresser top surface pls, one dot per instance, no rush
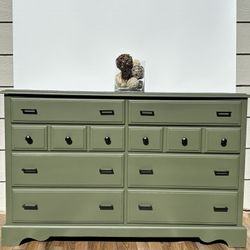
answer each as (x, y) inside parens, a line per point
(118, 95)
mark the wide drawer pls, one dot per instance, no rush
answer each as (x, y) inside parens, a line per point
(222, 140)
(29, 137)
(67, 206)
(67, 110)
(183, 171)
(106, 138)
(67, 169)
(68, 137)
(182, 207)
(184, 112)
(145, 139)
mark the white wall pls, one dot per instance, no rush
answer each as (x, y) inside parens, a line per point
(188, 46)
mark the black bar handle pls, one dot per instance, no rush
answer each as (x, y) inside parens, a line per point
(145, 207)
(29, 170)
(30, 206)
(223, 113)
(147, 113)
(107, 112)
(106, 207)
(29, 111)
(146, 171)
(221, 209)
(106, 171)
(221, 173)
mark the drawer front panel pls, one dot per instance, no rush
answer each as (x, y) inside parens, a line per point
(67, 206)
(182, 207)
(29, 137)
(184, 112)
(68, 138)
(145, 139)
(222, 140)
(183, 171)
(67, 169)
(102, 138)
(182, 139)
(67, 110)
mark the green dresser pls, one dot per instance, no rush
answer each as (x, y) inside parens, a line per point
(124, 165)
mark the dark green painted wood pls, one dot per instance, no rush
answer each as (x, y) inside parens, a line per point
(37, 133)
(68, 206)
(182, 207)
(184, 112)
(67, 169)
(69, 110)
(183, 171)
(76, 135)
(139, 136)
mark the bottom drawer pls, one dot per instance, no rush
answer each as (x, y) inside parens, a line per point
(182, 207)
(67, 206)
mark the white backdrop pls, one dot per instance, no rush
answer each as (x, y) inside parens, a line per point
(187, 45)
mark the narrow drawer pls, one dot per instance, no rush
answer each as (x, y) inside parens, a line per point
(182, 207)
(226, 140)
(29, 137)
(50, 110)
(183, 171)
(145, 139)
(68, 137)
(184, 112)
(182, 139)
(67, 206)
(67, 169)
(106, 138)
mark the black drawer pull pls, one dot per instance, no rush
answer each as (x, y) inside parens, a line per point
(147, 113)
(107, 140)
(68, 140)
(29, 170)
(106, 171)
(145, 140)
(221, 173)
(106, 207)
(107, 112)
(30, 207)
(224, 113)
(29, 111)
(221, 209)
(146, 171)
(28, 139)
(145, 207)
(184, 141)
(223, 142)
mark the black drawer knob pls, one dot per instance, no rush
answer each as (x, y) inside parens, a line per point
(224, 142)
(68, 140)
(107, 140)
(145, 140)
(28, 139)
(184, 141)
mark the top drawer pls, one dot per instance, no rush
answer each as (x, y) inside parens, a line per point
(184, 112)
(67, 110)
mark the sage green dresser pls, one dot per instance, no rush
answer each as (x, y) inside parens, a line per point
(124, 165)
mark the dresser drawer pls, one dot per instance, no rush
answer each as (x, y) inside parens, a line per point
(182, 207)
(29, 137)
(106, 138)
(182, 139)
(67, 110)
(67, 169)
(183, 171)
(67, 206)
(145, 139)
(184, 112)
(222, 140)
(68, 137)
